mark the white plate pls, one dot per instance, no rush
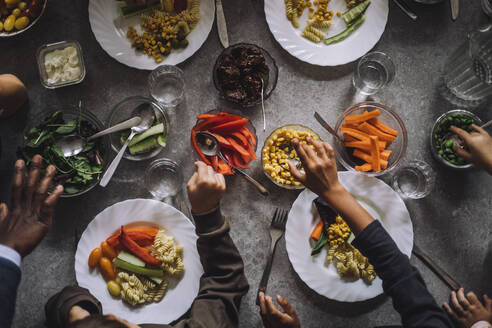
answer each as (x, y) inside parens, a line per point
(346, 51)
(380, 201)
(178, 299)
(110, 28)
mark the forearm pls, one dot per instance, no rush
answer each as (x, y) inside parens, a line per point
(401, 281)
(349, 208)
(10, 276)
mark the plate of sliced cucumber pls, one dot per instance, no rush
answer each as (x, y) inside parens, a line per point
(141, 213)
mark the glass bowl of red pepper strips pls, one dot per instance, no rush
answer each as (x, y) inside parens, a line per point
(236, 135)
(357, 126)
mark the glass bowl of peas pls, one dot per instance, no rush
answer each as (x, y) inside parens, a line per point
(442, 140)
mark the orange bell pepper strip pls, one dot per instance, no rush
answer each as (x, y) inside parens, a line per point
(356, 134)
(237, 161)
(372, 130)
(366, 157)
(248, 134)
(215, 163)
(141, 238)
(224, 168)
(375, 154)
(383, 127)
(240, 149)
(206, 116)
(195, 146)
(135, 249)
(363, 168)
(222, 141)
(318, 229)
(230, 126)
(242, 139)
(355, 119)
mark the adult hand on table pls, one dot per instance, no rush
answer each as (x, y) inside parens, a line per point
(479, 147)
(27, 222)
(468, 309)
(205, 189)
(273, 318)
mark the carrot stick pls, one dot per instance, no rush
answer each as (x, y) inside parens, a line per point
(385, 154)
(383, 127)
(350, 126)
(349, 138)
(356, 134)
(354, 119)
(316, 233)
(366, 157)
(372, 130)
(363, 145)
(376, 164)
(364, 167)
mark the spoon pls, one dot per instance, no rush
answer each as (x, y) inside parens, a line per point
(263, 105)
(74, 144)
(327, 126)
(146, 113)
(209, 146)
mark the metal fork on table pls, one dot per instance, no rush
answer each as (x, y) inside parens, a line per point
(277, 228)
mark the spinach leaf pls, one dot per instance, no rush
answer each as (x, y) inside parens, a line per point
(67, 128)
(36, 140)
(71, 189)
(323, 240)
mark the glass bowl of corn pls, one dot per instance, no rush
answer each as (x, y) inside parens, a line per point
(278, 151)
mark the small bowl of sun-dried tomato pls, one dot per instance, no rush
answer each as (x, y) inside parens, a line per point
(241, 71)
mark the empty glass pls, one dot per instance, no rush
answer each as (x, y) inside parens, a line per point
(166, 85)
(414, 180)
(468, 72)
(374, 71)
(163, 178)
(487, 7)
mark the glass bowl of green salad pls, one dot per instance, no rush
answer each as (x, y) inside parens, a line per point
(78, 174)
(442, 140)
(146, 144)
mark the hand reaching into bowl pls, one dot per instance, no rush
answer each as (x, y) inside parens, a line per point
(321, 177)
(478, 147)
(23, 226)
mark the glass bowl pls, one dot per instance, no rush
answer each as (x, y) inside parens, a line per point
(122, 112)
(272, 74)
(47, 48)
(435, 152)
(5, 34)
(390, 118)
(295, 127)
(71, 113)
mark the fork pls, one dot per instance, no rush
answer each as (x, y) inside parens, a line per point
(277, 228)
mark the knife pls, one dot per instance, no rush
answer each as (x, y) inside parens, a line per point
(327, 126)
(455, 8)
(436, 269)
(221, 24)
(406, 9)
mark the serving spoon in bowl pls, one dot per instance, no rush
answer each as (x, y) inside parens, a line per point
(209, 146)
(146, 113)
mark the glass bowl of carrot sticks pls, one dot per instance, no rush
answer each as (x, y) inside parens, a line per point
(374, 139)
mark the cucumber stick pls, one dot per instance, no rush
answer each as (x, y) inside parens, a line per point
(156, 129)
(345, 34)
(354, 13)
(148, 272)
(130, 258)
(148, 145)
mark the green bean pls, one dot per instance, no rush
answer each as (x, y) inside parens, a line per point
(346, 33)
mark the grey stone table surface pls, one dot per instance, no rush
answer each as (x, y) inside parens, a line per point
(453, 225)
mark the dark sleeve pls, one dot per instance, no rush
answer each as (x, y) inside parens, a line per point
(401, 281)
(58, 307)
(10, 275)
(223, 283)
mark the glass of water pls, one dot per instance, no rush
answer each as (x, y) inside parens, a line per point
(487, 7)
(414, 180)
(374, 71)
(166, 85)
(163, 178)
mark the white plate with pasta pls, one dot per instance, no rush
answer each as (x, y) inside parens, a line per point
(380, 201)
(110, 30)
(353, 47)
(180, 293)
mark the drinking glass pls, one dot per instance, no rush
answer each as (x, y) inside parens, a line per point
(468, 72)
(487, 7)
(166, 85)
(374, 71)
(163, 178)
(414, 180)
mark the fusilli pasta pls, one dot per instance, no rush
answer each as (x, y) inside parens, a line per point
(171, 255)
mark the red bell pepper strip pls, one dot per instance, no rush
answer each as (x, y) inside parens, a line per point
(252, 152)
(240, 149)
(248, 134)
(141, 238)
(228, 155)
(224, 168)
(242, 139)
(222, 141)
(231, 126)
(214, 121)
(215, 163)
(206, 116)
(195, 146)
(237, 160)
(140, 252)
